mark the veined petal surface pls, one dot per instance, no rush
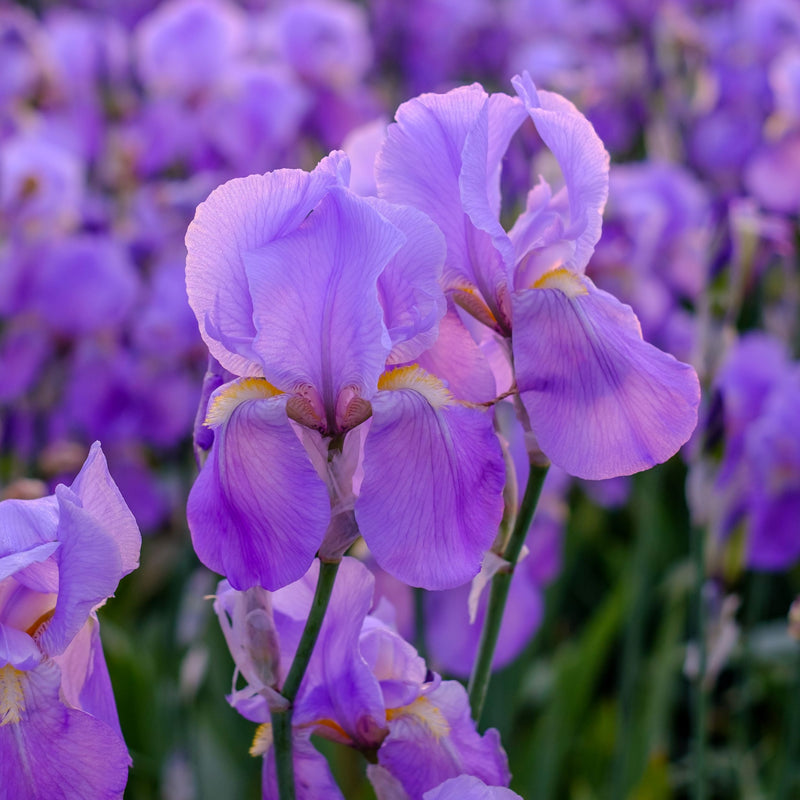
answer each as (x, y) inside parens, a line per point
(602, 402)
(89, 569)
(434, 739)
(430, 501)
(419, 165)
(317, 314)
(50, 751)
(100, 497)
(583, 160)
(410, 293)
(237, 218)
(258, 511)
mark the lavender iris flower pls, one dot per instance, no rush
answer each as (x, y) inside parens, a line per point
(757, 483)
(601, 401)
(61, 557)
(365, 687)
(316, 435)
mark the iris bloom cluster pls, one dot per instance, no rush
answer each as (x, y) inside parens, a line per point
(61, 557)
(365, 687)
(358, 345)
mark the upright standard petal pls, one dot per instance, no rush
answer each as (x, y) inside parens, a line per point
(316, 311)
(100, 497)
(583, 160)
(89, 569)
(239, 217)
(258, 511)
(431, 499)
(48, 750)
(411, 297)
(490, 248)
(420, 163)
(602, 402)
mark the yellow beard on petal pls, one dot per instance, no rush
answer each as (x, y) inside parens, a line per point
(12, 698)
(425, 712)
(238, 392)
(414, 377)
(262, 741)
(565, 281)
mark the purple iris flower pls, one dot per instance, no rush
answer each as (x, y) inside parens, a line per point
(61, 557)
(654, 253)
(757, 483)
(321, 301)
(183, 46)
(365, 687)
(601, 401)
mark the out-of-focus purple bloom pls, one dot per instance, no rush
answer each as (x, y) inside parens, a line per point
(655, 246)
(365, 687)
(41, 184)
(773, 452)
(601, 401)
(263, 107)
(183, 46)
(61, 557)
(84, 284)
(326, 42)
(757, 481)
(420, 474)
(18, 45)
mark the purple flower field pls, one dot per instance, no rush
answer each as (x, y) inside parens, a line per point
(399, 400)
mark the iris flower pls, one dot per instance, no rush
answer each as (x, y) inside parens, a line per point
(60, 558)
(601, 401)
(365, 687)
(318, 301)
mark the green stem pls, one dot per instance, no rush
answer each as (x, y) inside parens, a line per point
(498, 594)
(700, 693)
(282, 719)
(787, 780)
(640, 579)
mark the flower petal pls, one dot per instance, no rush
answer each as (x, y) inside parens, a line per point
(419, 165)
(85, 683)
(468, 787)
(89, 569)
(602, 402)
(435, 739)
(583, 160)
(459, 362)
(313, 778)
(102, 499)
(55, 751)
(315, 300)
(431, 499)
(238, 217)
(412, 299)
(258, 511)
